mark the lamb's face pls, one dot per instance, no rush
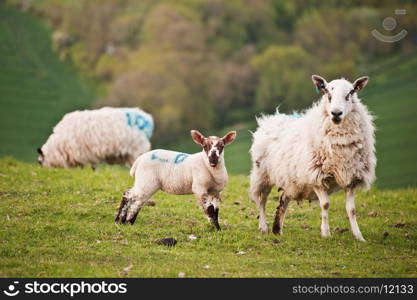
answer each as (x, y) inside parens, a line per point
(213, 146)
(339, 95)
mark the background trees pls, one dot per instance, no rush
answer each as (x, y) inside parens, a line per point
(212, 63)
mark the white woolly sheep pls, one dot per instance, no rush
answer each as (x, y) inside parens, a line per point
(203, 174)
(112, 135)
(328, 148)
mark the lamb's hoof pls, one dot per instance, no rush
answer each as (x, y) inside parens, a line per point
(325, 234)
(263, 230)
(276, 229)
(122, 220)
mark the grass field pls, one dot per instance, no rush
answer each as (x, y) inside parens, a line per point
(36, 88)
(60, 223)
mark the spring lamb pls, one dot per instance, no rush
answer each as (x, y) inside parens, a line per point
(328, 148)
(203, 174)
(111, 135)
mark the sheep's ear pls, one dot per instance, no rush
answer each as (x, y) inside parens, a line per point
(319, 82)
(40, 151)
(360, 83)
(197, 137)
(229, 138)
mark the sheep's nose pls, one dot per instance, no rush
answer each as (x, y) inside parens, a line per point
(337, 113)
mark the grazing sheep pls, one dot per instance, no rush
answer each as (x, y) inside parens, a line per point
(203, 174)
(112, 135)
(328, 148)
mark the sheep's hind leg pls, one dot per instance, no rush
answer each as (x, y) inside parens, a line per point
(259, 192)
(123, 208)
(350, 209)
(324, 204)
(139, 200)
(280, 214)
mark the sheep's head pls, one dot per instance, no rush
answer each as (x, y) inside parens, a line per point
(41, 156)
(213, 146)
(340, 95)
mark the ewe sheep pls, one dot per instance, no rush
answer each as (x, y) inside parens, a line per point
(203, 174)
(330, 147)
(112, 135)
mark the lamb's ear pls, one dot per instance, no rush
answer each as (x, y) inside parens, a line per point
(319, 82)
(360, 83)
(229, 138)
(39, 151)
(197, 137)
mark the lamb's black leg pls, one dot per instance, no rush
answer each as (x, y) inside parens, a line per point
(123, 208)
(213, 214)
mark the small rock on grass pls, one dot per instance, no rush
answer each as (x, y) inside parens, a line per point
(127, 269)
(372, 213)
(340, 230)
(167, 242)
(306, 227)
(192, 237)
(181, 274)
(399, 225)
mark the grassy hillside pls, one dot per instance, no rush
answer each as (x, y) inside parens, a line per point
(60, 223)
(391, 96)
(36, 89)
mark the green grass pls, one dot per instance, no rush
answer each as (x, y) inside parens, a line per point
(36, 88)
(56, 222)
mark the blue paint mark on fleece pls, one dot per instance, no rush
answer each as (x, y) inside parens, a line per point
(296, 115)
(179, 158)
(139, 121)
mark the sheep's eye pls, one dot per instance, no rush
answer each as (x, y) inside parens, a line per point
(349, 94)
(329, 96)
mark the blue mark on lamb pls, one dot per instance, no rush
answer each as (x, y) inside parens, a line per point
(139, 121)
(179, 158)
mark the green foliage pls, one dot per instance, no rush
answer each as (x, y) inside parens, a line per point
(203, 48)
(283, 78)
(61, 223)
(36, 89)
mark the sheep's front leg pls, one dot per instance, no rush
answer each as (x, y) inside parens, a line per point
(350, 209)
(280, 214)
(210, 205)
(324, 205)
